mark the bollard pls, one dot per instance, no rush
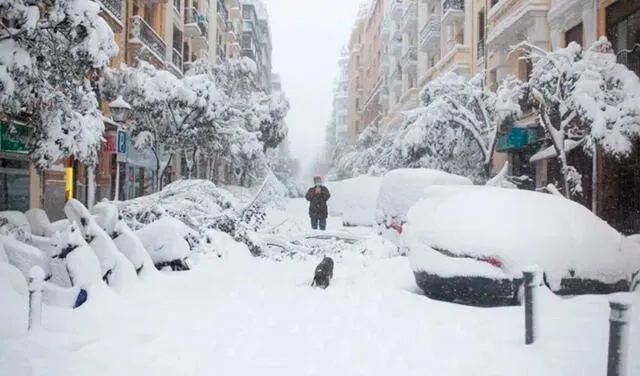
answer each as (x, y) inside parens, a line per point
(618, 358)
(531, 281)
(36, 287)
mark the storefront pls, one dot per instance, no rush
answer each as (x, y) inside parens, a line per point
(14, 168)
(139, 172)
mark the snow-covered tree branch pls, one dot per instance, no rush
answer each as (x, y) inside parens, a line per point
(49, 52)
(584, 95)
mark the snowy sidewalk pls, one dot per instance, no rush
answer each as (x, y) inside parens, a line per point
(252, 316)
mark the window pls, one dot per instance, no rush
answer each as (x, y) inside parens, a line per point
(623, 30)
(573, 35)
(357, 104)
(246, 41)
(178, 5)
(246, 12)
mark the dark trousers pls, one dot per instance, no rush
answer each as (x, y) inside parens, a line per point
(319, 222)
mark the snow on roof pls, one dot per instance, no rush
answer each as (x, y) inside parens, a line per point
(550, 152)
(401, 188)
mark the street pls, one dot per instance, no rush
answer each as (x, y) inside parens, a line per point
(241, 315)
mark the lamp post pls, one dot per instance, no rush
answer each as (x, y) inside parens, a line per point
(120, 111)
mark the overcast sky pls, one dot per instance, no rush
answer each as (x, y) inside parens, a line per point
(307, 37)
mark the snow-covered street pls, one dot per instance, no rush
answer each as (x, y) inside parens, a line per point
(241, 315)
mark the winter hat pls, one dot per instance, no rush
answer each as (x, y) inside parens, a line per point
(317, 179)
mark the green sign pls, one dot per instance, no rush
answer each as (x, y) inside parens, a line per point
(12, 138)
(516, 138)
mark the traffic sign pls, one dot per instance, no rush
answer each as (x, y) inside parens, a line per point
(121, 142)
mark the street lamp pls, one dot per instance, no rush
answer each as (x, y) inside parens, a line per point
(120, 111)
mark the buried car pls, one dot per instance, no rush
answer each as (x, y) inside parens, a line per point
(403, 187)
(471, 244)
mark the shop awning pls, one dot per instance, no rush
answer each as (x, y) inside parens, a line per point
(550, 152)
(143, 159)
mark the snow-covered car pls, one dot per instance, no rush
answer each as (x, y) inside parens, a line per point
(355, 200)
(472, 243)
(401, 188)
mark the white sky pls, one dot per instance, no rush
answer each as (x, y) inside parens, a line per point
(307, 36)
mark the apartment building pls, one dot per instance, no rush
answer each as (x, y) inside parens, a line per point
(355, 69)
(255, 41)
(341, 98)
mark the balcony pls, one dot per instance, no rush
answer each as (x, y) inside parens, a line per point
(509, 18)
(384, 62)
(396, 47)
(192, 22)
(409, 59)
(143, 35)
(385, 28)
(430, 34)
(410, 16)
(223, 12)
(457, 60)
(176, 63)
(409, 99)
(516, 138)
(452, 11)
(112, 10)
(396, 11)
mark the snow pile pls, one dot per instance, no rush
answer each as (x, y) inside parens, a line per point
(337, 244)
(355, 200)
(520, 228)
(200, 205)
(401, 188)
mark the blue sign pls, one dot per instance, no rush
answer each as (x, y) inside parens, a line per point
(121, 142)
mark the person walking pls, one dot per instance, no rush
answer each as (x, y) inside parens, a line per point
(318, 195)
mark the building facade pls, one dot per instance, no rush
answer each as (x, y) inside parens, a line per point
(423, 39)
(255, 40)
(167, 34)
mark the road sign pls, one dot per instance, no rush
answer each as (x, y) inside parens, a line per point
(121, 142)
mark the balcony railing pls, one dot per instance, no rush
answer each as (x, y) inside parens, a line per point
(410, 57)
(144, 33)
(192, 16)
(176, 59)
(396, 10)
(430, 32)
(113, 6)
(223, 11)
(410, 12)
(448, 5)
(480, 48)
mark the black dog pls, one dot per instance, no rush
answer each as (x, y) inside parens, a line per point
(324, 273)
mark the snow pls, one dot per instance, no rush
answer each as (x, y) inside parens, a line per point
(401, 188)
(520, 228)
(112, 261)
(165, 239)
(355, 199)
(550, 151)
(424, 258)
(247, 315)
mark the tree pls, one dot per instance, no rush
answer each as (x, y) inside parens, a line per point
(49, 51)
(584, 96)
(169, 114)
